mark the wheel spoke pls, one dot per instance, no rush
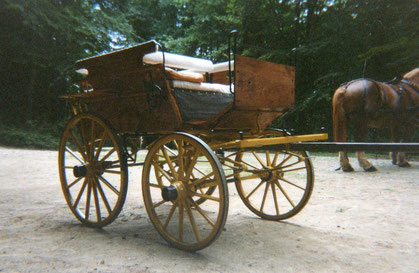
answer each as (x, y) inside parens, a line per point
(96, 197)
(101, 143)
(206, 196)
(169, 163)
(109, 185)
(74, 182)
(83, 187)
(264, 197)
(78, 145)
(104, 199)
(275, 198)
(193, 224)
(89, 193)
(285, 194)
(180, 226)
(158, 204)
(201, 180)
(163, 172)
(254, 190)
(289, 182)
(268, 158)
(259, 159)
(108, 154)
(169, 216)
(74, 155)
(203, 213)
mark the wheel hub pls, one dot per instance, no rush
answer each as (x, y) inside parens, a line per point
(80, 170)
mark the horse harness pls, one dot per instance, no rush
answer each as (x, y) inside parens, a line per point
(399, 89)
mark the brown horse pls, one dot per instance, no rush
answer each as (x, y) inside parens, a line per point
(369, 103)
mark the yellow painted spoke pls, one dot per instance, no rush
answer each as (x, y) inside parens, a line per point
(92, 139)
(248, 164)
(275, 198)
(206, 196)
(193, 223)
(181, 152)
(96, 197)
(203, 213)
(284, 161)
(101, 143)
(104, 199)
(289, 182)
(180, 227)
(259, 159)
(87, 208)
(254, 190)
(293, 170)
(156, 186)
(163, 172)
(285, 194)
(79, 147)
(169, 163)
(109, 185)
(74, 155)
(83, 187)
(110, 152)
(264, 197)
(169, 216)
(268, 158)
(275, 158)
(202, 179)
(74, 182)
(159, 204)
(192, 163)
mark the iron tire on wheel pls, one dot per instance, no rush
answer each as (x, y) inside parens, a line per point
(93, 170)
(178, 171)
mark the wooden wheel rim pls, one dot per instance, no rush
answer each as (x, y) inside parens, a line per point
(191, 168)
(278, 184)
(96, 191)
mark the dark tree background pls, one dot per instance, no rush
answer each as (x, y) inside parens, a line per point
(329, 42)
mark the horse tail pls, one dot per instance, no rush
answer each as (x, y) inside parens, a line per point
(339, 117)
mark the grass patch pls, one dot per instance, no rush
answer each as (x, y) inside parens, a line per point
(31, 135)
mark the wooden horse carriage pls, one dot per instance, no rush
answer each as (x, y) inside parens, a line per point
(209, 124)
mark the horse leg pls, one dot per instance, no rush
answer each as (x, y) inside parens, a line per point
(344, 162)
(393, 157)
(399, 158)
(402, 160)
(361, 133)
(339, 127)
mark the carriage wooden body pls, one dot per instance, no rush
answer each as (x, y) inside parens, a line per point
(196, 155)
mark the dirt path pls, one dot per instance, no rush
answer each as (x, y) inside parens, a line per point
(354, 222)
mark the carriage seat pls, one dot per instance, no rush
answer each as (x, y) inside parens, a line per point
(191, 75)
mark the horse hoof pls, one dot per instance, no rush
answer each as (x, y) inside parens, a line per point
(348, 169)
(371, 169)
(404, 165)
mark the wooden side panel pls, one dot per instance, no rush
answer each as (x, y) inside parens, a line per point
(136, 105)
(263, 85)
(103, 68)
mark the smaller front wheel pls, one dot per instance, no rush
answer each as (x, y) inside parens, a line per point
(185, 192)
(276, 184)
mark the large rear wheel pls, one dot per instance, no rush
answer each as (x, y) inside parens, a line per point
(93, 170)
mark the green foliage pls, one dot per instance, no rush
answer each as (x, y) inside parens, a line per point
(329, 42)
